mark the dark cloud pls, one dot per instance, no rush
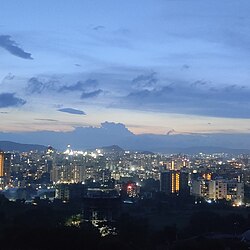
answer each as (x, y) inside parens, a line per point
(47, 120)
(4, 112)
(74, 87)
(72, 111)
(35, 86)
(199, 82)
(9, 77)
(99, 27)
(78, 65)
(12, 47)
(172, 131)
(199, 98)
(38, 86)
(185, 67)
(145, 81)
(9, 100)
(80, 86)
(91, 94)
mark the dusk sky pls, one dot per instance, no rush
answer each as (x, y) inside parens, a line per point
(157, 66)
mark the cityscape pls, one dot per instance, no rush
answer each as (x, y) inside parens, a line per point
(50, 174)
(124, 125)
(97, 187)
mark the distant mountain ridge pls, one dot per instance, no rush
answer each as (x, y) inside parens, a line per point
(203, 149)
(20, 147)
(14, 146)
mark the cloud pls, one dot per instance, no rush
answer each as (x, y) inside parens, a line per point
(72, 111)
(145, 81)
(91, 94)
(35, 86)
(110, 133)
(9, 100)
(9, 77)
(12, 47)
(185, 67)
(39, 85)
(80, 86)
(47, 120)
(199, 98)
(99, 27)
(115, 128)
(172, 131)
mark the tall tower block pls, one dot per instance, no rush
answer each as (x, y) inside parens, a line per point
(1, 164)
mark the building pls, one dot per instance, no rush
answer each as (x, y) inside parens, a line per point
(1, 163)
(184, 183)
(7, 168)
(200, 188)
(131, 189)
(68, 174)
(71, 192)
(1, 169)
(101, 205)
(174, 182)
(217, 189)
(235, 192)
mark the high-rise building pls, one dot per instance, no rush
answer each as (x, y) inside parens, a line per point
(7, 168)
(1, 169)
(184, 182)
(165, 182)
(68, 174)
(1, 163)
(172, 182)
(235, 192)
(200, 188)
(217, 189)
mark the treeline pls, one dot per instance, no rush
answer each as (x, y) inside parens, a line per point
(43, 226)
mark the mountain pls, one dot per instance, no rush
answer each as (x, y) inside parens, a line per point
(13, 146)
(112, 149)
(203, 149)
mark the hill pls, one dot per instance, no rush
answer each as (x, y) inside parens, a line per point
(14, 146)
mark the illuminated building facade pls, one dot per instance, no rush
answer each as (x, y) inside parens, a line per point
(1, 170)
(7, 168)
(131, 189)
(68, 174)
(1, 164)
(217, 189)
(200, 188)
(173, 182)
(235, 192)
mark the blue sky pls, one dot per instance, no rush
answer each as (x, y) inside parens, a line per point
(156, 66)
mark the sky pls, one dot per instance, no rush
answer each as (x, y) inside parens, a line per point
(160, 67)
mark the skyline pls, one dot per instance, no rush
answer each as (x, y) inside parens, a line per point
(156, 67)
